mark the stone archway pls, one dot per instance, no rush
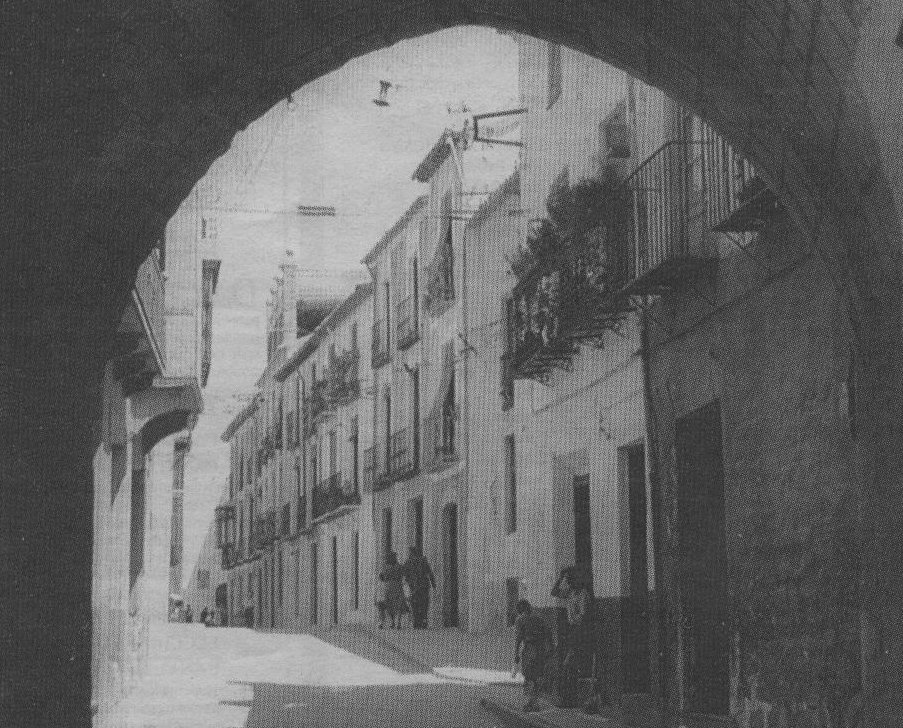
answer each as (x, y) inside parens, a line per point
(113, 112)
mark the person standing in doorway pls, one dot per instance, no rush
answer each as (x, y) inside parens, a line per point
(420, 579)
(579, 647)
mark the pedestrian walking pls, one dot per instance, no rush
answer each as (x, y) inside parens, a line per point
(393, 601)
(204, 613)
(189, 615)
(530, 650)
(420, 579)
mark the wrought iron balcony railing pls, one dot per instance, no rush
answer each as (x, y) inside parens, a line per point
(264, 532)
(401, 454)
(318, 402)
(342, 377)
(330, 495)
(382, 476)
(441, 439)
(380, 344)
(737, 199)
(408, 324)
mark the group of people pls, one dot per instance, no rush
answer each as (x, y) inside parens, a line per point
(208, 617)
(393, 602)
(577, 641)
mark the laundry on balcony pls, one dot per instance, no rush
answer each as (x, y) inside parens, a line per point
(440, 426)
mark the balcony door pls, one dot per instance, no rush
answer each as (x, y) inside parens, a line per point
(450, 565)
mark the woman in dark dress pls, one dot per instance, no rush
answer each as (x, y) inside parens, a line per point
(393, 601)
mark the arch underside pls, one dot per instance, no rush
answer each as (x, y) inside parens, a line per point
(112, 115)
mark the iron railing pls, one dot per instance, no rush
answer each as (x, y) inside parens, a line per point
(401, 454)
(663, 188)
(329, 495)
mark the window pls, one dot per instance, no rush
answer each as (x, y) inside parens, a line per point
(356, 565)
(136, 532)
(415, 416)
(555, 75)
(279, 583)
(415, 295)
(355, 454)
(333, 453)
(298, 583)
(510, 485)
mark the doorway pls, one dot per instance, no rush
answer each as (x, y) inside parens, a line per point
(702, 553)
(387, 535)
(450, 565)
(635, 663)
(335, 580)
(415, 523)
(313, 583)
(583, 542)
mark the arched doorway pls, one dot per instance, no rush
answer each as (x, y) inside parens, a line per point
(450, 565)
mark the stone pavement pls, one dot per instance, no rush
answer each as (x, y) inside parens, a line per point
(483, 659)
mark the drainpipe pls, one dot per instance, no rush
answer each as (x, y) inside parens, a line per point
(658, 526)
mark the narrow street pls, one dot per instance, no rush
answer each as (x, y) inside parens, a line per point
(232, 678)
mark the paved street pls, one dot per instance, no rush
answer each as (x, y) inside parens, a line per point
(232, 678)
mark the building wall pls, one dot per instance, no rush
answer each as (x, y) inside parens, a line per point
(123, 612)
(773, 353)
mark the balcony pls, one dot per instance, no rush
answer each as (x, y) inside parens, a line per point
(264, 534)
(441, 443)
(318, 402)
(408, 325)
(738, 200)
(668, 192)
(342, 377)
(230, 557)
(401, 455)
(330, 495)
(149, 292)
(380, 344)
(381, 475)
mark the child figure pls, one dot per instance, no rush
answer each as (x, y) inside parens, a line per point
(530, 650)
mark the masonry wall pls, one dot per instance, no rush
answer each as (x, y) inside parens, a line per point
(770, 346)
(122, 613)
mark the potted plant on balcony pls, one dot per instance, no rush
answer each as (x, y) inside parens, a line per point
(574, 264)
